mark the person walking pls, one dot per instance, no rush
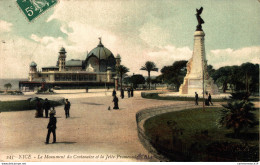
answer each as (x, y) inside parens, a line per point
(115, 100)
(67, 108)
(46, 107)
(114, 93)
(132, 92)
(51, 127)
(128, 92)
(122, 93)
(196, 98)
(209, 99)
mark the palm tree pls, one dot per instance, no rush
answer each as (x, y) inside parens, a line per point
(237, 115)
(121, 70)
(149, 66)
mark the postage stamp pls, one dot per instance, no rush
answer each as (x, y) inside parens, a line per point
(34, 8)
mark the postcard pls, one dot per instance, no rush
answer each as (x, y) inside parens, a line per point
(129, 81)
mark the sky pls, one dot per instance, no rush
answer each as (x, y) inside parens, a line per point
(139, 30)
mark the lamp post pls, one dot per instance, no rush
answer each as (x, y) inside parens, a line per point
(203, 91)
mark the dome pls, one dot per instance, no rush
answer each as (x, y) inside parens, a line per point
(33, 64)
(100, 52)
(62, 50)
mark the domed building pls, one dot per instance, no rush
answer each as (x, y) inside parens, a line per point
(98, 69)
(100, 58)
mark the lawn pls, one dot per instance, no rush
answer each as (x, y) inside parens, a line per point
(21, 105)
(195, 136)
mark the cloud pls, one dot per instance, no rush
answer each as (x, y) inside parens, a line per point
(161, 56)
(5, 26)
(154, 35)
(228, 57)
(84, 37)
(167, 55)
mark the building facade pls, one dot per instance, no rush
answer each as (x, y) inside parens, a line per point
(98, 69)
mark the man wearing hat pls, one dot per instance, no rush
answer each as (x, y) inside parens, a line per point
(67, 108)
(52, 126)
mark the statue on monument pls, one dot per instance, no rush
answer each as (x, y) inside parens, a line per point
(200, 20)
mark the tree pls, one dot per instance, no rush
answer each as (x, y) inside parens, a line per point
(175, 73)
(149, 66)
(121, 70)
(210, 70)
(222, 77)
(250, 74)
(239, 78)
(8, 85)
(237, 115)
(137, 79)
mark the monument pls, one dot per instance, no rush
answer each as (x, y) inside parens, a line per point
(197, 66)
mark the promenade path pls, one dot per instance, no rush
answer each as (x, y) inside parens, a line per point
(91, 132)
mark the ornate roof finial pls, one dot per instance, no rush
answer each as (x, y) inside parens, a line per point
(100, 42)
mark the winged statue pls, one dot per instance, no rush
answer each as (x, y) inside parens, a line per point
(200, 20)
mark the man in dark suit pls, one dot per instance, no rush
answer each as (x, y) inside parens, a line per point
(67, 108)
(52, 127)
(47, 107)
(39, 112)
(196, 98)
(132, 92)
(122, 93)
(129, 92)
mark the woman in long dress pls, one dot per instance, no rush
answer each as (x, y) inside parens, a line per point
(115, 100)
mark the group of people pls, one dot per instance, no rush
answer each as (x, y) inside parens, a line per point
(46, 106)
(207, 101)
(130, 92)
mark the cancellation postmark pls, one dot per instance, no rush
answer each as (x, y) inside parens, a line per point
(33, 8)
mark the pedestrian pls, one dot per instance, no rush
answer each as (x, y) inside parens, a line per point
(209, 99)
(107, 88)
(196, 98)
(114, 93)
(46, 107)
(87, 90)
(39, 112)
(115, 100)
(51, 127)
(132, 92)
(67, 108)
(128, 92)
(122, 93)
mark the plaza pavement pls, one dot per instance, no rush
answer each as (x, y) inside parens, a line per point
(92, 130)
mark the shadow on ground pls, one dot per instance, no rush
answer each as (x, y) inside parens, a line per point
(64, 143)
(91, 103)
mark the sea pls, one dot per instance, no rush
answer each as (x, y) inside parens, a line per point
(14, 82)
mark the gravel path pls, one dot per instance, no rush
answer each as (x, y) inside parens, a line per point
(92, 133)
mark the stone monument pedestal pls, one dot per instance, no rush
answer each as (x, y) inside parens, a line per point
(197, 70)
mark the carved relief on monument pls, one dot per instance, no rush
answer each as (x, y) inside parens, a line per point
(189, 65)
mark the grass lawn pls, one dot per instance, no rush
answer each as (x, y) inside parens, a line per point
(21, 105)
(198, 129)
